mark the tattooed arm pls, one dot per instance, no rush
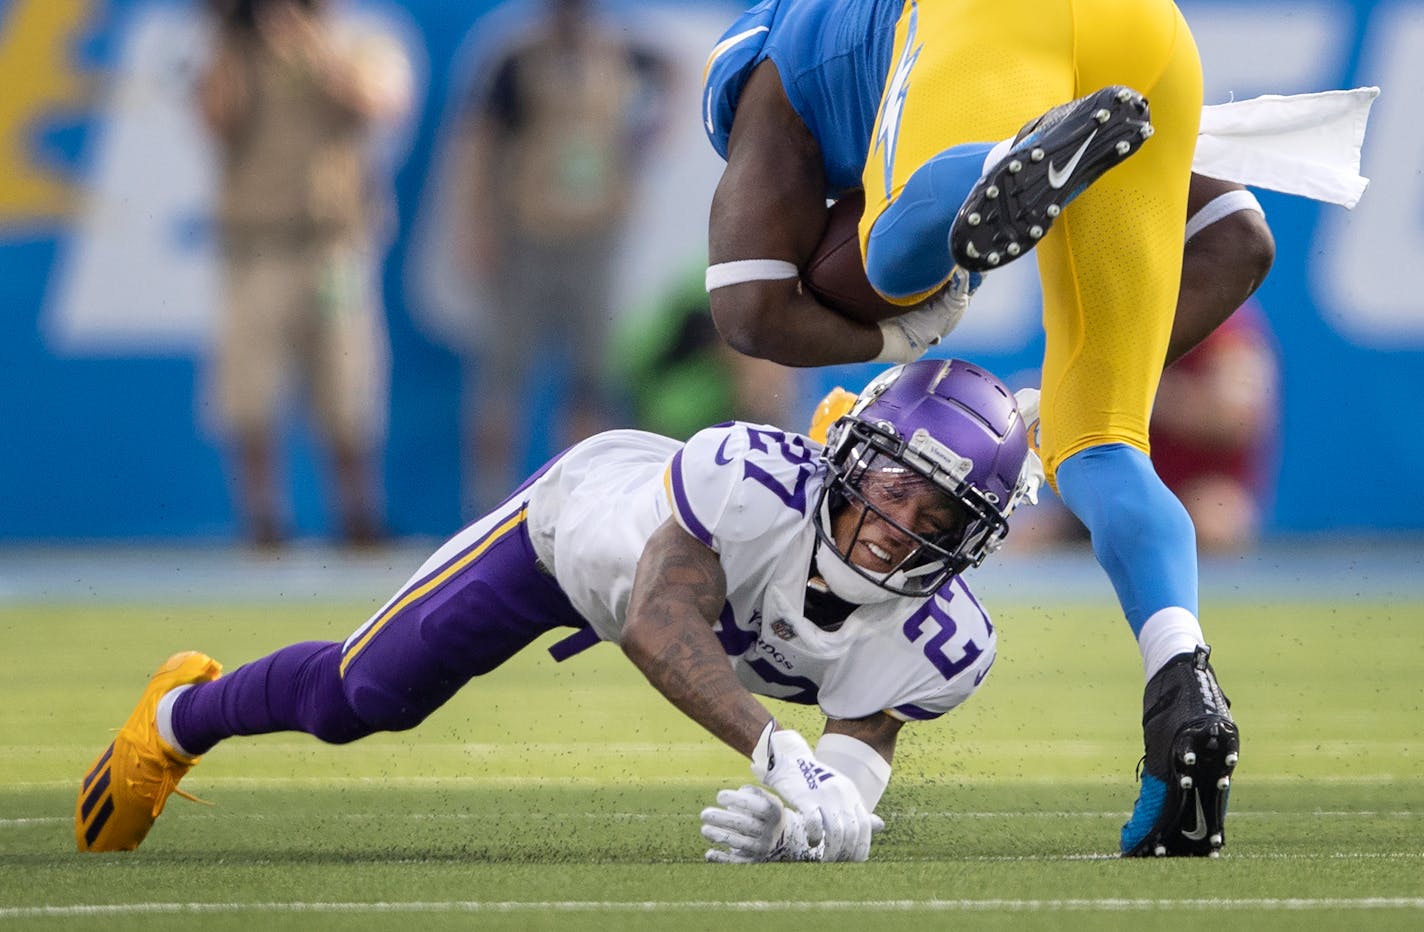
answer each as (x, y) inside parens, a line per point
(678, 594)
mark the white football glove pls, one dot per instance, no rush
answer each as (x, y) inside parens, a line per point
(828, 802)
(909, 336)
(755, 827)
(1032, 478)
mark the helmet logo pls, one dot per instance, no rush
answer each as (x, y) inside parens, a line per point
(938, 455)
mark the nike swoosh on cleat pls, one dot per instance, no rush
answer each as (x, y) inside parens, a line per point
(1058, 178)
(1198, 833)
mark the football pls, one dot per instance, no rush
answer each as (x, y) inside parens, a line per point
(835, 276)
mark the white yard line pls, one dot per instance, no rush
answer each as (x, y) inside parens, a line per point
(601, 779)
(905, 817)
(1269, 904)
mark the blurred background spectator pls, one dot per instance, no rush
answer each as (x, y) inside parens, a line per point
(550, 150)
(111, 273)
(289, 99)
(681, 376)
(1215, 430)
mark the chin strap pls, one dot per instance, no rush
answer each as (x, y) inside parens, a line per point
(843, 581)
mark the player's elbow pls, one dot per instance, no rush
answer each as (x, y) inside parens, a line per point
(1255, 248)
(635, 644)
(750, 323)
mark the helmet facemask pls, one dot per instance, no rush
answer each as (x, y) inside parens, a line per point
(871, 467)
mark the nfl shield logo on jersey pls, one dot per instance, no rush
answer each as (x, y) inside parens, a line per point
(782, 629)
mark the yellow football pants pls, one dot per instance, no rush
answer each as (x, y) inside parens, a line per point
(1111, 264)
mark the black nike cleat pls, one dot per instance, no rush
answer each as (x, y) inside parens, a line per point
(1053, 160)
(1192, 748)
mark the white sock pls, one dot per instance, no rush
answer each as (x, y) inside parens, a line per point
(1169, 632)
(996, 154)
(163, 717)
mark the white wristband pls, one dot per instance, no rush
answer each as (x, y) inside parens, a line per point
(1221, 206)
(749, 270)
(858, 761)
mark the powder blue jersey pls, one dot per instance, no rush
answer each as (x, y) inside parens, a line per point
(833, 57)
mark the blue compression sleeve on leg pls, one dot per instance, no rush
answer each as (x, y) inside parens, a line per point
(1142, 535)
(908, 252)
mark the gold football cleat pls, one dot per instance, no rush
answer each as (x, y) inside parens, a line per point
(127, 787)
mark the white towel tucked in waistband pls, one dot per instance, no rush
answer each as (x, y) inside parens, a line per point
(1305, 144)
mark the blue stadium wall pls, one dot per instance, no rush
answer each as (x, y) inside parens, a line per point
(107, 265)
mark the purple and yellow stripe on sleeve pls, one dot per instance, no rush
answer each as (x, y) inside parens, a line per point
(433, 582)
(676, 491)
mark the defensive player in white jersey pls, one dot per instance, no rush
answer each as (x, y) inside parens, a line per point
(827, 575)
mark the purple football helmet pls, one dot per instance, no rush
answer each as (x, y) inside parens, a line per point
(945, 422)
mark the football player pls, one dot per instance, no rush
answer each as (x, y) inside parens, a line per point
(828, 575)
(978, 137)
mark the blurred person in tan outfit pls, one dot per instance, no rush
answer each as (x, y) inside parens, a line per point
(551, 142)
(289, 99)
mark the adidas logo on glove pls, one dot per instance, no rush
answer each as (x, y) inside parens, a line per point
(813, 774)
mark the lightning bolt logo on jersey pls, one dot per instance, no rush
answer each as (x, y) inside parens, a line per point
(748, 492)
(887, 133)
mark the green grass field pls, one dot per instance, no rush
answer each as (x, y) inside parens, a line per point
(566, 796)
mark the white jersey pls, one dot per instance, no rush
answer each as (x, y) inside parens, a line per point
(749, 492)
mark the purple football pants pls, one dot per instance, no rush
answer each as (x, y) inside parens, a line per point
(464, 614)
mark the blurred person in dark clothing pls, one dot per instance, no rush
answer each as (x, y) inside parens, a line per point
(551, 144)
